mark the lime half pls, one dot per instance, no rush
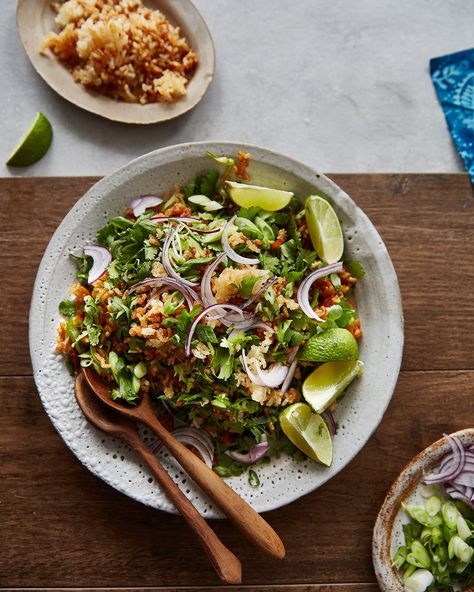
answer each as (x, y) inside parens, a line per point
(325, 384)
(308, 432)
(332, 345)
(34, 144)
(324, 229)
(247, 196)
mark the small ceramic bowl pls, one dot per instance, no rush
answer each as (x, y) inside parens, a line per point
(35, 18)
(388, 532)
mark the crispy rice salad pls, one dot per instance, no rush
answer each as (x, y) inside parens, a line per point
(207, 307)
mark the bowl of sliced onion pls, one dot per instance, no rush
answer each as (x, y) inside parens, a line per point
(424, 533)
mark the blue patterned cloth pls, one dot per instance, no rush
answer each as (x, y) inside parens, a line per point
(453, 79)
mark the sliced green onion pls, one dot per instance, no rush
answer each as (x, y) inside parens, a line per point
(419, 581)
(450, 514)
(433, 505)
(140, 370)
(419, 514)
(463, 529)
(458, 548)
(419, 555)
(400, 557)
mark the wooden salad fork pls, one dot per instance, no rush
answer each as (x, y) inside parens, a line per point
(243, 516)
(226, 564)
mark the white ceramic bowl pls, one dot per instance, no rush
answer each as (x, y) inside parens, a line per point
(378, 302)
(388, 529)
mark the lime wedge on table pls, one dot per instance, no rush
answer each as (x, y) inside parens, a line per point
(332, 345)
(247, 196)
(325, 384)
(34, 144)
(324, 229)
(308, 432)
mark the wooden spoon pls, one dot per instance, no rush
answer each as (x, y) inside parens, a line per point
(225, 563)
(251, 524)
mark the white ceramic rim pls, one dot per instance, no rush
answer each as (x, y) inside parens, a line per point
(392, 318)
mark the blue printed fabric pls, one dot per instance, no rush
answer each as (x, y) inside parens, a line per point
(453, 79)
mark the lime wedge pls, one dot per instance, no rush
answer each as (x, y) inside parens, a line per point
(34, 144)
(247, 196)
(332, 345)
(324, 229)
(308, 432)
(325, 384)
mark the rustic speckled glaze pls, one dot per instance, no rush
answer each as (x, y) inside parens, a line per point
(388, 534)
(35, 19)
(378, 301)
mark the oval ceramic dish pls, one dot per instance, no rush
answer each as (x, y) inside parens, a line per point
(378, 302)
(35, 18)
(388, 532)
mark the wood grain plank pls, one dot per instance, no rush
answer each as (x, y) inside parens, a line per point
(61, 526)
(363, 587)
(426, 221)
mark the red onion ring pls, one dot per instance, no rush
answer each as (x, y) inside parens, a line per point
(208, 298)
(201, 315)
(101, 258)
(253, 455)
(143, 202)
(329, 417)
(175, 219)
(250, 374)
(165, 281)
(274, 376)
(252, 324)
(458, 456)
(198, 439)
(166, 262)
(229, 251)
(289, 376)
(303, 290)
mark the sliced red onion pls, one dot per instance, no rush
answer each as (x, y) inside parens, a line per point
(265, 287)
(187, 220)
(329, 417)
(252, 324)
(175, 219)
(142, 203)
(293, 351)
(274, 376)
(253, 455)
(167, 282)
(165, 260)
(198, 439)
(271, 378)
(458, 456)
(229, 251)
(202, 314)
(207, 296)
(303, 290)
(101, 258)
(455, 493)
(289, 376)
(250, 374)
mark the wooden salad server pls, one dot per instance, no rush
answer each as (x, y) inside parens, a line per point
(243, 516)
(226, 564)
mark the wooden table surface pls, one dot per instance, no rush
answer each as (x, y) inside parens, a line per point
(62, 528)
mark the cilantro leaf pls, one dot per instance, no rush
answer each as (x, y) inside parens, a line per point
(67, 308)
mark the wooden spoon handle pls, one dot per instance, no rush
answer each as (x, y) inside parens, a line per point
(226, 564)
(247, 520)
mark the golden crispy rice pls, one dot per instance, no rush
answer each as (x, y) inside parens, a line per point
(122, 49)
